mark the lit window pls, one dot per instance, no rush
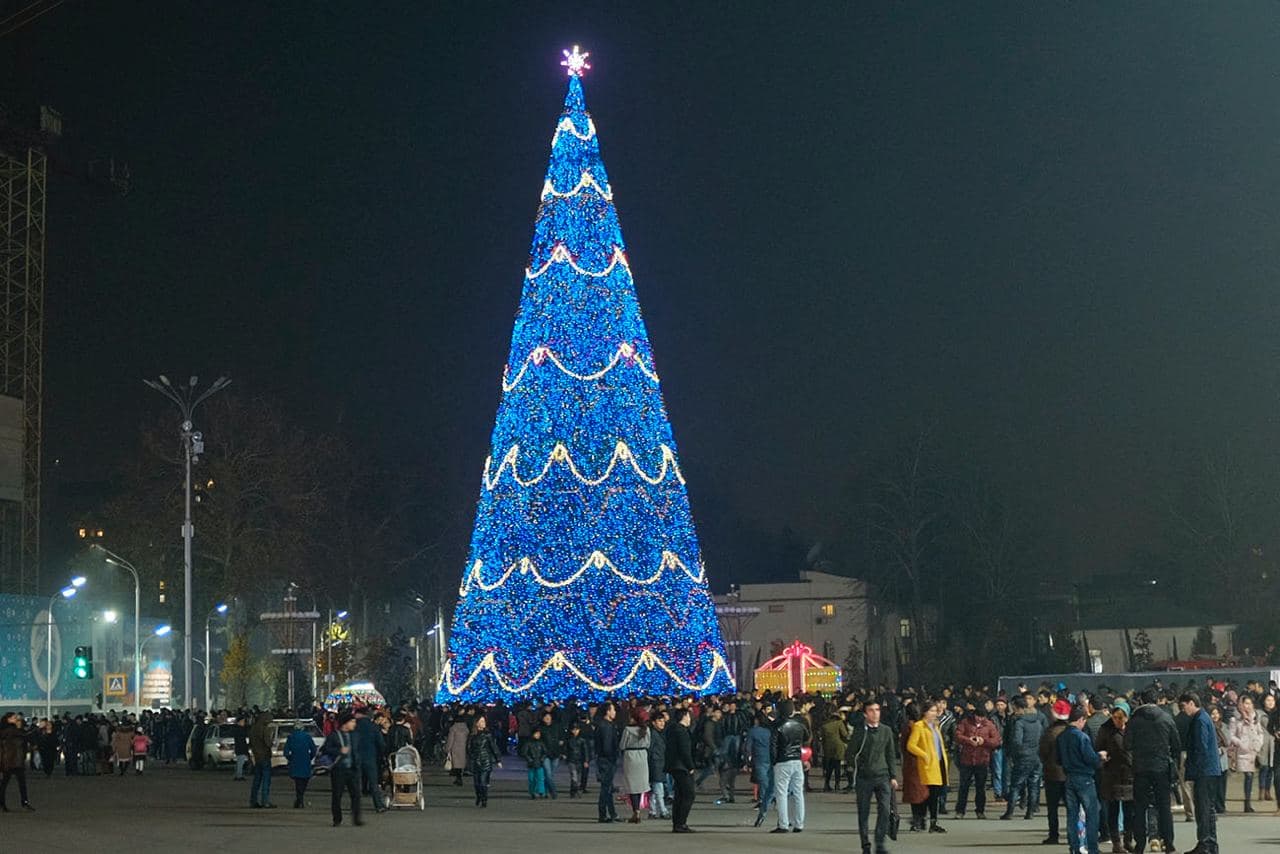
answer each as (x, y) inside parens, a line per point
(83, 533)
(829, 610)
(99, 533)
(904, 628)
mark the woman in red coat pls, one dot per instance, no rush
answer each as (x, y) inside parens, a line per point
(914, 791)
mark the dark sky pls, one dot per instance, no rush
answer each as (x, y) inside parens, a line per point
(1050, 229)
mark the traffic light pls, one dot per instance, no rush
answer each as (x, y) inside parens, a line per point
(82, 666)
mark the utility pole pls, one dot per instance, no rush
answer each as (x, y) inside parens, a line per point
(186, 398)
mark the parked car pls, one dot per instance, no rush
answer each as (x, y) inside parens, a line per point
(219, 744)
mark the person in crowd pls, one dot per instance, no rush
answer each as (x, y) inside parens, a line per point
(240, 746)
(928, 749)
(1000, 717)
(1151, 737)
(533, 751)
(576, 755)
(122, 748)
(731, 727)
(789, 740)
(553, 736)
(1267, 757)
(759, 746)
(455, 748)
(634, 747)
(369, 756)
(834, 737)
(679, 764)
(657, 757)
(344, 774)
(260, 749)
(46, 742)
(872, 756)
(606, 751)
(1055, 778)
(1080, 762)
(1224, 759)
(1022, 744)
(1203, 769)
(978, 738)
(141, 747)
(1115, 780)
(708, 751)
(1246, 739)
(300, 752)
(13, 759)
(482, 758)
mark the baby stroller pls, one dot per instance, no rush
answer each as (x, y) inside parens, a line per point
(406, 779)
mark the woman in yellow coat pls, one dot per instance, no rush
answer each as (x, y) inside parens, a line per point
(929, 750)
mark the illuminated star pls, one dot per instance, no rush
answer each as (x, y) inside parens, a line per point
(576, 62)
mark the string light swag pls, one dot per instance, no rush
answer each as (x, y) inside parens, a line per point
(587, 181)
(560, 454)
(625, 354)
(561, 255)
(596, 560)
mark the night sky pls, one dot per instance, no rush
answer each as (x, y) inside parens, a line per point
(1047, 229)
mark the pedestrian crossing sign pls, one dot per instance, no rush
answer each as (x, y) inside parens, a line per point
(117, 684)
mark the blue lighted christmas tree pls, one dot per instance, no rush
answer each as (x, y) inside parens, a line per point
(584, 578)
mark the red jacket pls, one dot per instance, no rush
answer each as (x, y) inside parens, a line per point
(973, 726)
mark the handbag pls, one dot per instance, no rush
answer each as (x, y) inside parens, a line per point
(448, 762)
(895, 820)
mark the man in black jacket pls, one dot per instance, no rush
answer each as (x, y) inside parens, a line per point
(1152, 738)
(679, 765)
(872, 756)
(606, 743)
(789, 739)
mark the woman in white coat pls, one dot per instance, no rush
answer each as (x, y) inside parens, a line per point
(1245, 737)
(635, 760)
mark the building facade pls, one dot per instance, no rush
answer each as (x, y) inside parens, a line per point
(823, 611)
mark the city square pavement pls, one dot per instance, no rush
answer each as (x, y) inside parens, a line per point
(172, 809)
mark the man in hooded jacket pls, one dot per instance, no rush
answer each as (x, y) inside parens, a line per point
(1152, 738)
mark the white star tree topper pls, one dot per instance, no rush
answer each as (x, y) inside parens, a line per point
(576, 62)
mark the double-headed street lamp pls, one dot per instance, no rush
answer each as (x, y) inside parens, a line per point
(115, 560)
(65, 593)
(221, 610)
(186, 398)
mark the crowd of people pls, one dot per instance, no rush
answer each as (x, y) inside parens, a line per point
(1118, 762)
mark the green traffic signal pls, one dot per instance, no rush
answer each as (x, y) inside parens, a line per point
(82, 664)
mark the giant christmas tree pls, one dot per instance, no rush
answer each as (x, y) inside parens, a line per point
(584, 578)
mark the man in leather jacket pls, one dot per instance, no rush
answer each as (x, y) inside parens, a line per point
(789, 739)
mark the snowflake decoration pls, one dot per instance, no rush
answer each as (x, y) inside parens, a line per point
(576, 62)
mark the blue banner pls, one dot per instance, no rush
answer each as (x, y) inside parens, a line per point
(24, 652)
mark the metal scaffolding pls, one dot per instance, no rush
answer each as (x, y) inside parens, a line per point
(23, 182)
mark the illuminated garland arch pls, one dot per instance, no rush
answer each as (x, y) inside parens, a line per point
(586, 181)
(624, 353)
(560, 454)
(561, 255)
(595, 560)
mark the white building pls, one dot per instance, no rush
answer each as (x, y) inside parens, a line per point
(822, 611)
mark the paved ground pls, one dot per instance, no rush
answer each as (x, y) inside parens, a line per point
(170, 809)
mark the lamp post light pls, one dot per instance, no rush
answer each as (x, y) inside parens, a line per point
(66, 593)
(221, 610)
(115, 560)
(186, 398)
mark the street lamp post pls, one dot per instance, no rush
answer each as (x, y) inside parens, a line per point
(66, 593)
(221, 609)
(115, 560)
(187, 399)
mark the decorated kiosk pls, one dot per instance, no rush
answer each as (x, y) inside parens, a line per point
(798, 670)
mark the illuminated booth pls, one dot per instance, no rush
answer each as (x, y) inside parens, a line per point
(798, 670)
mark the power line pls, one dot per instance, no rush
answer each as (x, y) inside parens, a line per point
(27, 14)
